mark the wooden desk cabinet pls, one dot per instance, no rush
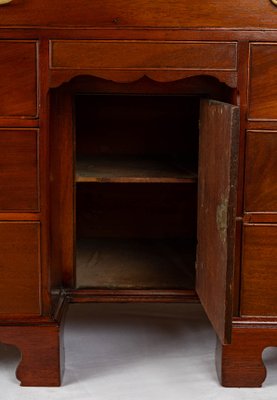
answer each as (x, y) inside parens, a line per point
(138, 164)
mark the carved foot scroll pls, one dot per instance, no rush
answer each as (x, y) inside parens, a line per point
(41, 362)
(240, 364)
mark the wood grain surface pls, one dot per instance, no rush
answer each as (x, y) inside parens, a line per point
(19, 170)
(261, 172)
(263, 81)
(20, 280)
(41, 351)
(18, 83)
(259, 281)
(143, 55)
(217, 181)
(135, 263)
(141, 13)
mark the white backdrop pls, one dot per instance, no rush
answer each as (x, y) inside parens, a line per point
(136, 352)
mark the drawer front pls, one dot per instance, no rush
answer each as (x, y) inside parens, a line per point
(263, 81)
(18, 170)
(261, 171)
(19, 268)
(147, 13)
(18, 78)
(143, 55)
(259, 271)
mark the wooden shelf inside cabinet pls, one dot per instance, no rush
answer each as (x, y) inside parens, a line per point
(132, 170)
(114, 263)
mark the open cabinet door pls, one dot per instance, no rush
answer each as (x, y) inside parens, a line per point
(217, 182)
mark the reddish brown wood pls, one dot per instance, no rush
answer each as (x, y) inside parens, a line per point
(137, 33)
(217, 177)
(141, 13)
(19, 170)
(259, 281)
(131, 296)
(261, 171)
(50, 283)
(61, 186)
(136, 55)
(260, 217)
(135, 263)
(240, 364)
(12, 216)
(261, 125)
(242, 101)
(18, 86)
(20, 268)
(237, 270)
(263, 81)
(18, 122)
(42, 353)
(182, 55)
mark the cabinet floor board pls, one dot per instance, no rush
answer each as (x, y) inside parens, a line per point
(135, 263)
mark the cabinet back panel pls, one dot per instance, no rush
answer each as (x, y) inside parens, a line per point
(136, 210)
(137, 125)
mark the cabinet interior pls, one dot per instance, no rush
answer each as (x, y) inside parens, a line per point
(136, 189)
(127, 217)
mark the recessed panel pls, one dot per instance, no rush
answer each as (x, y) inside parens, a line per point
(263, 82)
(18, 77)
(259, 270)
(261, 172)
(18, 170)
(19, 268)
(143, 55)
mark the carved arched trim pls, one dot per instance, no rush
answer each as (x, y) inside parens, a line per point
(59, 77)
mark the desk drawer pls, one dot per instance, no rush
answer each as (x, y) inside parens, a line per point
(80, 54)
(263, 81)
(259, 270)
(18, 77)
(18, 170)
(140, 13)
(20, 268)
(261, 171)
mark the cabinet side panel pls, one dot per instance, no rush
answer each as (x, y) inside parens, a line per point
(62, 196)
